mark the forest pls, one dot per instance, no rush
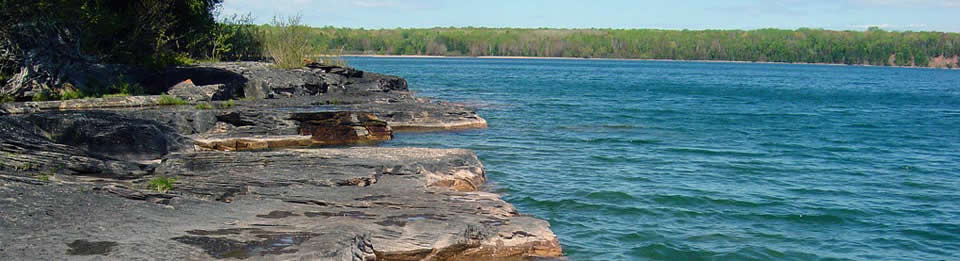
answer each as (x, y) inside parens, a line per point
(871, 47)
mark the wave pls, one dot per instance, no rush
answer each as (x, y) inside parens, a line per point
(570, 204)
(609, 196)
(716, 152)
(800, 218)
(703, 201)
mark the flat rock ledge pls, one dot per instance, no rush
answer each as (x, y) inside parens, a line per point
(311, 204)
(132, 178)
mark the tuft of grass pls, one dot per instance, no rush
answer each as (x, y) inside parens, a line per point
(162, 184)
(204, 106)
(170, 100)
(6, 99)
(227, 104)
(116, 95)
(287, 42)
(333, 59)
(125, 88)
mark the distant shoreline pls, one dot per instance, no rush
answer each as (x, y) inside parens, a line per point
(624, 59)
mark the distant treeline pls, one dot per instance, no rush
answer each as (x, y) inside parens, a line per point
(871, 47)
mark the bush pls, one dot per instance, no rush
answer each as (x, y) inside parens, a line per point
(287, 42)
(170, 100)
(72, 94)
(45, 95)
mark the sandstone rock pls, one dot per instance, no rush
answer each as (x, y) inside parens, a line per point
(335, 128)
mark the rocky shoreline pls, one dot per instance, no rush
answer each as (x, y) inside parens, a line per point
(277, 167)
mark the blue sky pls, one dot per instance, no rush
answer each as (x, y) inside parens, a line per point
(900, 15)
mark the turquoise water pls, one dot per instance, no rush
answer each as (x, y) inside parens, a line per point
(634, 160)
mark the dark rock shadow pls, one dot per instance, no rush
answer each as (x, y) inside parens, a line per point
(233, 82)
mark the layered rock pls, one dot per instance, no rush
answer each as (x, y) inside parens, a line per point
(246, 180)
(261, 80)
(324, 204)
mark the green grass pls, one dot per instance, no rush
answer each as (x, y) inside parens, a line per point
(162, 184)
(116, 95)
(204, 106)
(6, 99)
(227, 104)
(170, 100)
(121, 87)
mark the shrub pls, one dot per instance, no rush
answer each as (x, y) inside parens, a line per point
(45, 95)
(170, 100)
(287, 42)
(72, 94)
(162, 184)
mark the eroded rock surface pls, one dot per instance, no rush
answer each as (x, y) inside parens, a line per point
(247, 180)
(316, 204)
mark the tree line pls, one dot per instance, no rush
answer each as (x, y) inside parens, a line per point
(870, 47)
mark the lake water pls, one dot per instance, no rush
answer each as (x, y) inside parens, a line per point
(638, 160)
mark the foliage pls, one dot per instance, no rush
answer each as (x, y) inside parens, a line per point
(6, 99)
(44, 95)
(204, 106)
(235, 37)
(287, 42)
(227, 104)
(145, 32)
(873, 47)
(170, 100)
(72, 94)
(126, 88)
(162, 184)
